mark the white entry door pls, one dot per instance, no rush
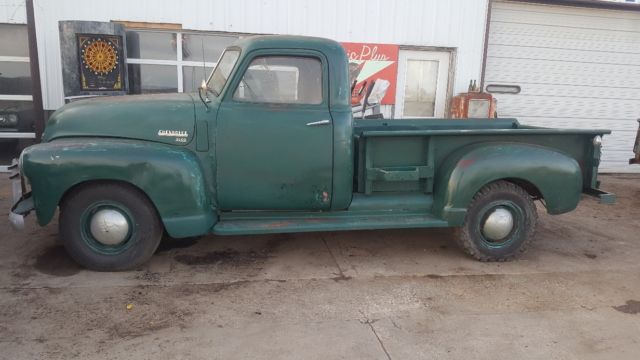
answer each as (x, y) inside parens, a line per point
(423, 79)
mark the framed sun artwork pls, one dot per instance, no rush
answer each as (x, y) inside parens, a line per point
(101, 62)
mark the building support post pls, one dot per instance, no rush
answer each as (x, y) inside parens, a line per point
(487, 28)
(39, 120)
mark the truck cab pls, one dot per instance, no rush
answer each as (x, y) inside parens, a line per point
(269, 145)
(286, 103)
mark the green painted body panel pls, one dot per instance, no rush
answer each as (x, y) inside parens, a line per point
(246, 168)
(171, 176)
(140, 117)
(453, 159)
(343, 159)
(294, 222)
(267, 158)
(462, 174)
(257, 169)
(379, 211)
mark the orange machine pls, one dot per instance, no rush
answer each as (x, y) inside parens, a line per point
(474, 105)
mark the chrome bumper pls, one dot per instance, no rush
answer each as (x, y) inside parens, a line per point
(17, 221)
(22, 203)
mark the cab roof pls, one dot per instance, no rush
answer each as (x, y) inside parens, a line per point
(326, 46)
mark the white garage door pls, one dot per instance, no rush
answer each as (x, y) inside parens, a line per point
(576, 67)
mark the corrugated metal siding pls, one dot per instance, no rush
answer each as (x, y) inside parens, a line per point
(577, 67)
(13, 12)
(446, 23)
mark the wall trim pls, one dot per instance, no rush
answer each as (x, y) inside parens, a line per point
(598, 4)
(148, 25)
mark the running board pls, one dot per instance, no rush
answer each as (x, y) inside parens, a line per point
(273, 225)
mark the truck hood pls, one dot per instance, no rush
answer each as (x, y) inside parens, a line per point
(166, 118)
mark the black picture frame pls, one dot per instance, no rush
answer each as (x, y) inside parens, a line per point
(101, 62)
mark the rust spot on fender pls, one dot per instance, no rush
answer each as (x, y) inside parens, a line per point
(278, 224)
(465, 163)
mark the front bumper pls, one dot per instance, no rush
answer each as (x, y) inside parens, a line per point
(22, 203)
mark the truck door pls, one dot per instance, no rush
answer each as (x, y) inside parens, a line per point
(274, 144)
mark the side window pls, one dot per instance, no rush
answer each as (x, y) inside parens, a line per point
(282, 80)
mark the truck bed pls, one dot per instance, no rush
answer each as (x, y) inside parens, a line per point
(404, 155)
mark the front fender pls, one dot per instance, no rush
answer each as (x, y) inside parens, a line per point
(170, 176)
(557, 176)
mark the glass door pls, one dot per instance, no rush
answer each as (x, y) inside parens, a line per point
(423, 80)
(16, 102)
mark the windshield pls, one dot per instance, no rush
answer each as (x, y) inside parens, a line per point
(221, 73)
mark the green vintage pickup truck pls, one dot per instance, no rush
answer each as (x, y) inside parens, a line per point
(269, 145)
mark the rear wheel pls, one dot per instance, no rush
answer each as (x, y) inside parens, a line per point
(500, 223)
(109, 226)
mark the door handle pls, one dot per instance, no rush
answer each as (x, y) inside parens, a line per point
(318, 123)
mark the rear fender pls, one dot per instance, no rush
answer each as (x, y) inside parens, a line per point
(557, 176)
(171, 177)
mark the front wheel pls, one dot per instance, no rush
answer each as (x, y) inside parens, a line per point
(500, 223)
(109, 226)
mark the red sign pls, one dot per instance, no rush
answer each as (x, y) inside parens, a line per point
(373, 65)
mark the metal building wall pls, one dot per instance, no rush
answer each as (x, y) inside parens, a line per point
(445, 23)
(577, 68)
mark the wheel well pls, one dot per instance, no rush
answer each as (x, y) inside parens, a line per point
(529, 187)
(88, 183)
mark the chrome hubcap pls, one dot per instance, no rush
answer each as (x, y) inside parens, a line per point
(498, 224)
(109, 227)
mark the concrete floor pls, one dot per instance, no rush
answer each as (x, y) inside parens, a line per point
(403, 294)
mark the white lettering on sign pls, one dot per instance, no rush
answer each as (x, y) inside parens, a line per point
(173, 133)
(368, 53)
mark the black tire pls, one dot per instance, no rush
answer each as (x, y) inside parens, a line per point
(141, 241)
(500, 194)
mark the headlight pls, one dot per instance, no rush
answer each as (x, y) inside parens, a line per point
(597, 141)
(8, 120)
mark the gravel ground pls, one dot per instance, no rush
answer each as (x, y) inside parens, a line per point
(400, 294)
